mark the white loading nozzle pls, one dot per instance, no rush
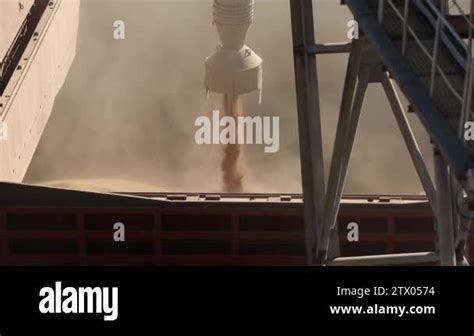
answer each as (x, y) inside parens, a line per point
(234, 68)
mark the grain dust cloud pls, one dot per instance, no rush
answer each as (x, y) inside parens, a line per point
(124, 119)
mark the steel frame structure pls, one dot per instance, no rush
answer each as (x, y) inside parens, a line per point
(366, 65)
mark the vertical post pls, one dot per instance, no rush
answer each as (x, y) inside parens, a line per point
(439, 32)
(460, 236)
(471, 63)
(467, 94)
(444, 215)
(468, 103)
(381, 10)
(309, 123)
(405, 26)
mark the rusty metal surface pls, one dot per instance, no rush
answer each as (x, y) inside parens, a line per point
(60, 227)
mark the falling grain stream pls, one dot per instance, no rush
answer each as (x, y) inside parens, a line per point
(232, 164)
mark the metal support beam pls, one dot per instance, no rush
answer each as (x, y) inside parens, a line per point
(309, 122)
(461, 236)
(328, 48)
(351, 107)
(386, 259)
(444, 214)
(353, 67)
(409, 139)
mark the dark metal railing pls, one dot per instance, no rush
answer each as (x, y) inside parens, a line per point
(444, 33)
(10, 62)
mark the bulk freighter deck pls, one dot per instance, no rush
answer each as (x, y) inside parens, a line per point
(45, 226)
